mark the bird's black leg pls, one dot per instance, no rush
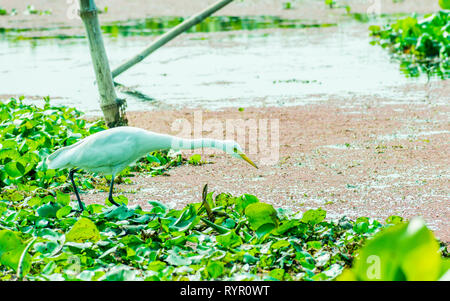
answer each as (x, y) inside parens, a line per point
(80, 203)
(110, 198)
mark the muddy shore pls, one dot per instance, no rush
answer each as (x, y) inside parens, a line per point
(365, 158)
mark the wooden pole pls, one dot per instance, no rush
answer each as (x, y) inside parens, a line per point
(170, 35)
(112, 107)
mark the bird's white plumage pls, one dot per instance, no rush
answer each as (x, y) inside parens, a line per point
(110, 151)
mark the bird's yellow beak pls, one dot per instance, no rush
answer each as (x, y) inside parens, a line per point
(244, 156)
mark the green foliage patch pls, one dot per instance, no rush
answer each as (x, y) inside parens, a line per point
(422, 45)
(405, 252)
(243, 241)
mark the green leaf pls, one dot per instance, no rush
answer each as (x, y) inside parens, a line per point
(83, 230)
(121, 273)
(265, 229)
(11, 249)
(64, 211)
(229, 240)
(218, 228)
(280, 244)
(48, 210)
(63, 198)
(314, 216)
(401, 252)
(244, 200)
(187, 220)
(259, 214)
(177, 260)
(156, 266)
(14, 169)
(215, 269)
(277, 274)
(314, 245)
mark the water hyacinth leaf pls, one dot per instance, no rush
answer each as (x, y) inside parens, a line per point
(11, 249)
(120, 213)
(265, 229)
(401, 252)
(277, 274)
(280, 244)
(9, 240)
(46, 248)
(187, 219)
(314, 216)
(156, 266)
(121, 273)
(83, 230)
(14, 169)
(64, 211)
(229, 240)
(11, 259)
(63, 198)
(215, 269)
(153, 159)
(218, 228)
(48, 210)
(158, 207)
(286, 226)
(259, 214)
(314, 245)
(177, 260)
(244, 200)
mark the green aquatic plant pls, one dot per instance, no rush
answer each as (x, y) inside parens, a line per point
(243, 239)
(404, 252)
(31, 10)
(422, 45)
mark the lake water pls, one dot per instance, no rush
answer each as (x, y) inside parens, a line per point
(281, 63)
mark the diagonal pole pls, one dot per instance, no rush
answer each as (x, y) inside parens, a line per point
(170, 35)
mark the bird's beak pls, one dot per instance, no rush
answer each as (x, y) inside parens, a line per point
(244, 156)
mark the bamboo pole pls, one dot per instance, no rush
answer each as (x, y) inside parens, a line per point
(170, 35)
(112, 107)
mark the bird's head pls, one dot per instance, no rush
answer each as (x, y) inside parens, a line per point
(234, 149)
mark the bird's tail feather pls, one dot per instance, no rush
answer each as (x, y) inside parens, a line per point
(61, 157)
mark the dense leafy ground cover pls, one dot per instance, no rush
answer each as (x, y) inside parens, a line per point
(221, 237)
(422, 45)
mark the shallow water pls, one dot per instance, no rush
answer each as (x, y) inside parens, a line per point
(257, 67)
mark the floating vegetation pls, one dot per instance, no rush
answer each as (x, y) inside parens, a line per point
(421, 45)
(156, 26)
(160, 25)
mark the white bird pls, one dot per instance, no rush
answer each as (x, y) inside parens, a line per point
(109, 152)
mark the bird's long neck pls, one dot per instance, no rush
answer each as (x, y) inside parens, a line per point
(181, 143)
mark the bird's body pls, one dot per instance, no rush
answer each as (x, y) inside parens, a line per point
(109, 152)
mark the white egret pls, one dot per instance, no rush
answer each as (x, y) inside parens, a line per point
(109, 152)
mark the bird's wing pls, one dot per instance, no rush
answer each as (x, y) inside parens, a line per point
(108, 151)
(61, 157)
